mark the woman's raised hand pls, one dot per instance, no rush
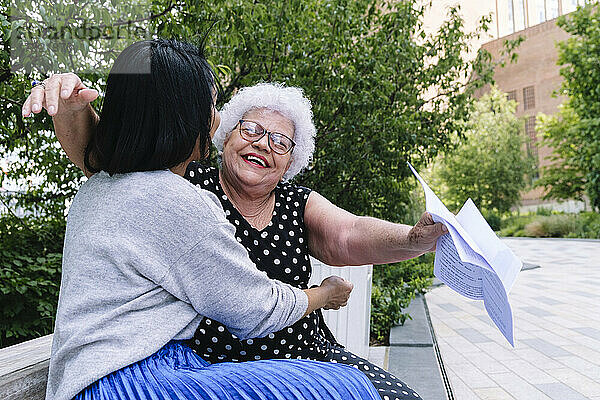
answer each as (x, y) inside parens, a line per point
(59, 94)
(339, 292)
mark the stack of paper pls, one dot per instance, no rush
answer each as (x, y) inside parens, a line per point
(471, 259)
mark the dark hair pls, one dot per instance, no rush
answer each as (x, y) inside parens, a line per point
(158, 103)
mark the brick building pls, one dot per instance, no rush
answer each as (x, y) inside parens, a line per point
(533, 82)
(534, 79)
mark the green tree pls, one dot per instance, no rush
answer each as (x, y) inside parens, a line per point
(44, 37)
(31, 245)
(490, 166)
(383, 91)
(579, 57)
(564, 178)
(30, 265)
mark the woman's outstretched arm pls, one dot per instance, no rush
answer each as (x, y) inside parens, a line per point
(338, 237)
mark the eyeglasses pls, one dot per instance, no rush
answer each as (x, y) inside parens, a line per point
(253, 132)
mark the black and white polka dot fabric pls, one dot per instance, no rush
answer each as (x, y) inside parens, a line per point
(388, 386)
(281, 250)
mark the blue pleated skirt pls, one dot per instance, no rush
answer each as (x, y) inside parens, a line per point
(176, 372)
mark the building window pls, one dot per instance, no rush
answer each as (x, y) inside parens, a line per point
(569, 6)
(539, 14)
(532, 148)
(519, 14)
(511, 19)
(512, 95)
(551, 9)
(530, 129)
(528, 98)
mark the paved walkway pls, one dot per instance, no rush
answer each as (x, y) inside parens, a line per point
(556, 310)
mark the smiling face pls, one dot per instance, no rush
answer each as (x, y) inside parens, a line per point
(255, 163)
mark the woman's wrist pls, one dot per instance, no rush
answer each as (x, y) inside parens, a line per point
(318, 297)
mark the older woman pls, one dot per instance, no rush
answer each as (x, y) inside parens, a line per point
(266, 137)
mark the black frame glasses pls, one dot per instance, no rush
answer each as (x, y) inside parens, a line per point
(275, 138)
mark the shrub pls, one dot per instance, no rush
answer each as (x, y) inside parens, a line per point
(543, 211)
(514, 225)
(394, 287)
(493, 220)
(30, 259)
(588, 225)
(552, 226)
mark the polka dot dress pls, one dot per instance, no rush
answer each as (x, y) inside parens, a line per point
(281, 250)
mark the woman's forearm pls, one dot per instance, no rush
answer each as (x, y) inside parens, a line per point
(374, 241)
(338, 237)
(317, 298)
(73, 131)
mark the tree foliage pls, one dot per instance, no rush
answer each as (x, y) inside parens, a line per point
(490, 166)
(564, 178)
(44, 37)
(579, 57)
(383, 90)
(30, 260)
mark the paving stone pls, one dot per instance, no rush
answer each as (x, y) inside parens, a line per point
(560, 391)
(473, 376)
(538, 312)
(485, 318)
(557, 329)
(590, 332)
(378, 356)
(537, 286)
(518, 387)
(495, 393)
(473, 335)
(415, 331)
(460, 390)
(448, 307)
(585, 353)
(553, 338)
(582, 366)
(449, 355)
(577, 381)
(497, 351)
(528, 371)
(548, 300)
(585, 294)
(536, 358)
(485, 363)
(546, 348)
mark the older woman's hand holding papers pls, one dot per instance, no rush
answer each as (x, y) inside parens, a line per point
(473, 261)
(425, 233)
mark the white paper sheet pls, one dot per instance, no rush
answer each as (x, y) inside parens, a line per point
(472, 261)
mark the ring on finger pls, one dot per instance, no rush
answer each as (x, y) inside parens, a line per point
(36, 83)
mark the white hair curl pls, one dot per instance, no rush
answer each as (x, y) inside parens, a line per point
(290, 102)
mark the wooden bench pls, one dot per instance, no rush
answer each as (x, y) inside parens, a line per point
(24, 369)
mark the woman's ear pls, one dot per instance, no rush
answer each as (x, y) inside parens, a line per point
(227, 139)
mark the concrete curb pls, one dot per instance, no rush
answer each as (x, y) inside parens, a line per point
(414, 357)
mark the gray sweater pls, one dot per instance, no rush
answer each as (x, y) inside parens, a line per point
(146, 256)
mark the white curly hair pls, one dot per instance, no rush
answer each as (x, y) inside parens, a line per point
(290, 102)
